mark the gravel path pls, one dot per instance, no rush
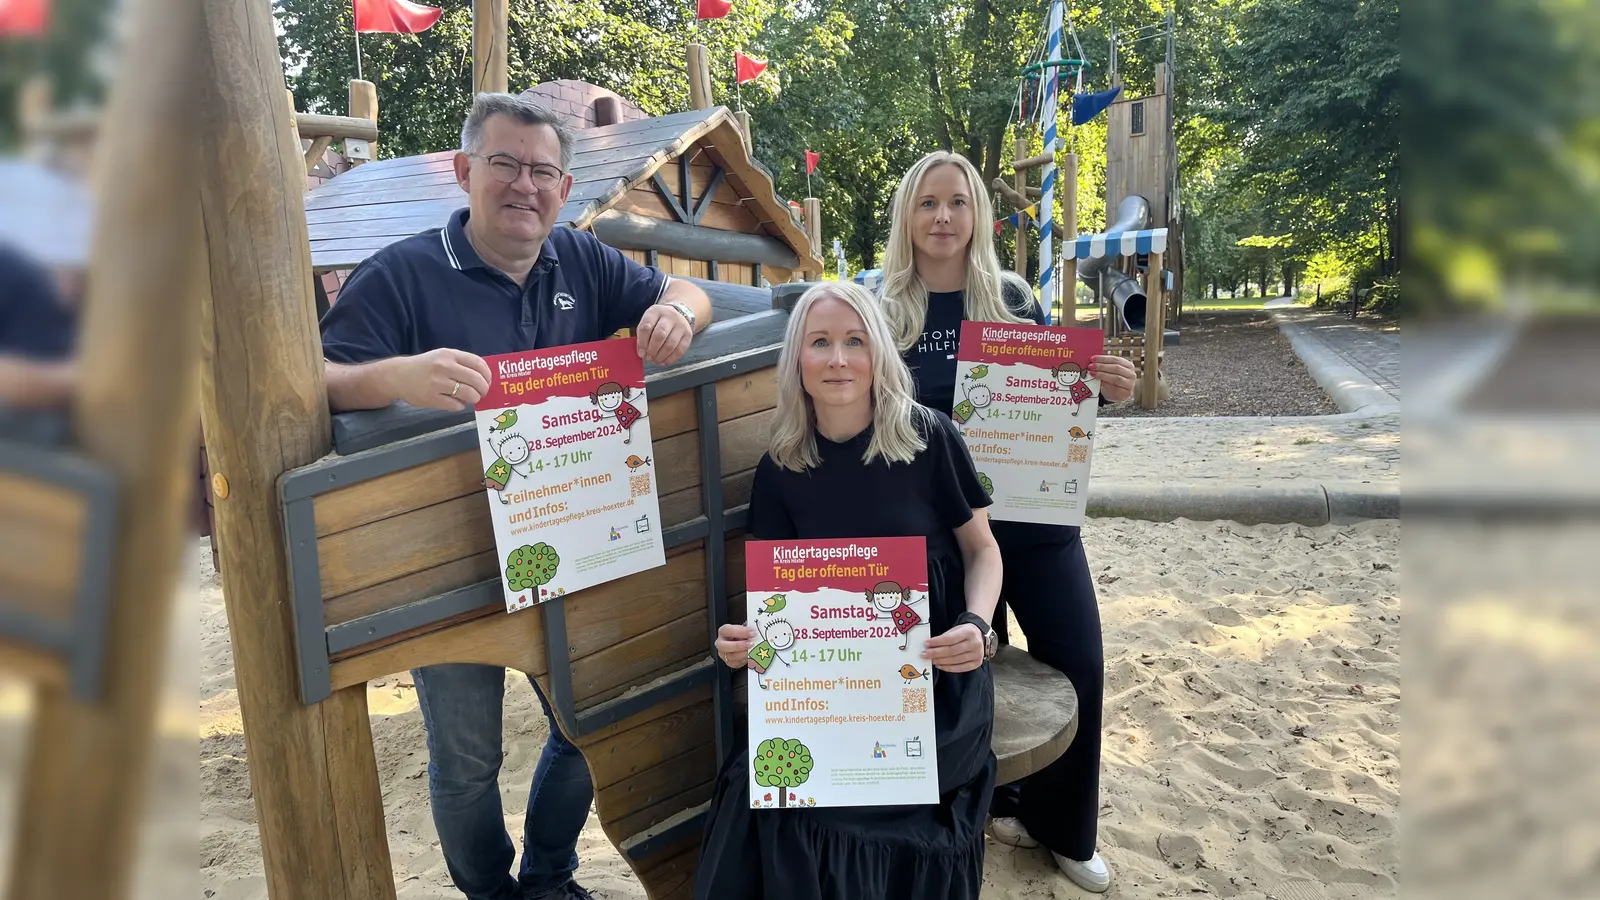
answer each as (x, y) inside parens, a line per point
(1552, 368)
(1233, 364)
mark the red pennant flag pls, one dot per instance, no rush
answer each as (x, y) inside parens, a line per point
(712, 9)
(749, 68)
(395, 16)
(812, 158)
(24, 17)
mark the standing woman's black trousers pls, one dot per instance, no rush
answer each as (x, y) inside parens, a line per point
(1050, 593)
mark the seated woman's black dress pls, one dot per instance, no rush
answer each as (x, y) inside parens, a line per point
(878, 852)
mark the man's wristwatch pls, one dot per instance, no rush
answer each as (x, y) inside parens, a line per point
(687, 312)
(991, 640)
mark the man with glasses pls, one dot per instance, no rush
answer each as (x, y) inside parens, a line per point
(413, 324)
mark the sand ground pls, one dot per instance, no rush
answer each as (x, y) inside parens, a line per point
(1252, 728)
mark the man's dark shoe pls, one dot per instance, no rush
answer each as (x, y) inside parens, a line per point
(569, 891)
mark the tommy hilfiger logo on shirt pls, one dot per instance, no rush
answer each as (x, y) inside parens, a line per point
(943, 339)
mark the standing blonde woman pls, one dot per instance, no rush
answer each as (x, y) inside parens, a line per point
(940, 269)
(854, 456)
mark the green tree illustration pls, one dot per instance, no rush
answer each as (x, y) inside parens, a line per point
(530, 566)
(783, 764)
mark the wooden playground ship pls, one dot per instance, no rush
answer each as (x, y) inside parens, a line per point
(359, 545)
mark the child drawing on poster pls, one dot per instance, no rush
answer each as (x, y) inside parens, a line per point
(775, 638)
(510, 450)
(613, 398)
(979, 398)
(894, 603)
(1071, 378)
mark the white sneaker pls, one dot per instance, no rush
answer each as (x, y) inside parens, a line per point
(1010, 830)
(1093, 875)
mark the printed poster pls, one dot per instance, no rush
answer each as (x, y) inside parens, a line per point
(565, 437)
(839, 696)
(1026, 405)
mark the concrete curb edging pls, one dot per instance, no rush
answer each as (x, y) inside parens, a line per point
(1298, 502)
(1350, 389)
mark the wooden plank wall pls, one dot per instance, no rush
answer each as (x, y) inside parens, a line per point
(1138, 164)
(1131, 348)
(729, 211)
(41, 542)
(732, 273)
(416, 533)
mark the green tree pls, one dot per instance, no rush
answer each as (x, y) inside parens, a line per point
(841, 96)
(1314, 88)
(1503, 108)
(424, 81)
(783, 764)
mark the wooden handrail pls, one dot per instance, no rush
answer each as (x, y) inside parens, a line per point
(1032, 162)
(311, 125)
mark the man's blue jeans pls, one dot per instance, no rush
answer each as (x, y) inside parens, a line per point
(461, 709)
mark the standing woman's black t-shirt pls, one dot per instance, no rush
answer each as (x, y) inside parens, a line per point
(932, 361)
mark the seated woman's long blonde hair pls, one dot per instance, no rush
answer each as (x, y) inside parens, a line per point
(904, 294)
(895, 413)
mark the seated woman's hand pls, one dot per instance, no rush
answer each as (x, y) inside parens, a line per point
(1117, 377)
(734, 643)
(958, 650)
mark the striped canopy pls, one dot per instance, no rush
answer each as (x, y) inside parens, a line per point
(1118, 243)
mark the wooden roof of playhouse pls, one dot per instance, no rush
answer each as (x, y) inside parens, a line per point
(628, 189)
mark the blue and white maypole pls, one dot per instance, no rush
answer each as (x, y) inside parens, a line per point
(1047, 188)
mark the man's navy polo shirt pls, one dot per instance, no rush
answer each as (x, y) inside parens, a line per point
(432, 290)
(33, 321)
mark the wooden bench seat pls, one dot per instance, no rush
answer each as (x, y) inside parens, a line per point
(1035, 714)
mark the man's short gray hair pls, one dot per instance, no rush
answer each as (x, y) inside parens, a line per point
(519, 109)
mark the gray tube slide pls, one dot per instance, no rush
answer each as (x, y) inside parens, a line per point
(1133, 213)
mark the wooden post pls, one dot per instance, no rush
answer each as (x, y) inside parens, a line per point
(814, 224)
(1018, 148)
(265, 410)
(489, 67)
(35, 100)
(364, 105)
(1154, 329)
(134, 414)
(1067, 184)
(699, 70)
(294, 124)
(744, 128)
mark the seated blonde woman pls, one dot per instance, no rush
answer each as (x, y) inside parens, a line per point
(854, 456)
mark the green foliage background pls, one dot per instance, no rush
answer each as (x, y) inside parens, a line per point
(1288, 114)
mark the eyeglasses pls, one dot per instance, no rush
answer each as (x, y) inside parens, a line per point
(505, 168)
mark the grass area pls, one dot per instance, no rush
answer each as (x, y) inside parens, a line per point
(1191, 303)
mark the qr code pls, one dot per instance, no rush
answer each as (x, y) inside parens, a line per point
(913, 700)
(1078, 453)
(640, 484)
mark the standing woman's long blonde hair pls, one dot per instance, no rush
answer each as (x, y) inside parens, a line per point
(905, 296)
(895, 414)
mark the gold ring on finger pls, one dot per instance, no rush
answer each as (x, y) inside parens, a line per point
(454, 389)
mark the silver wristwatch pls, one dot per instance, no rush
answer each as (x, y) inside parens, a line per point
(684, 308)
